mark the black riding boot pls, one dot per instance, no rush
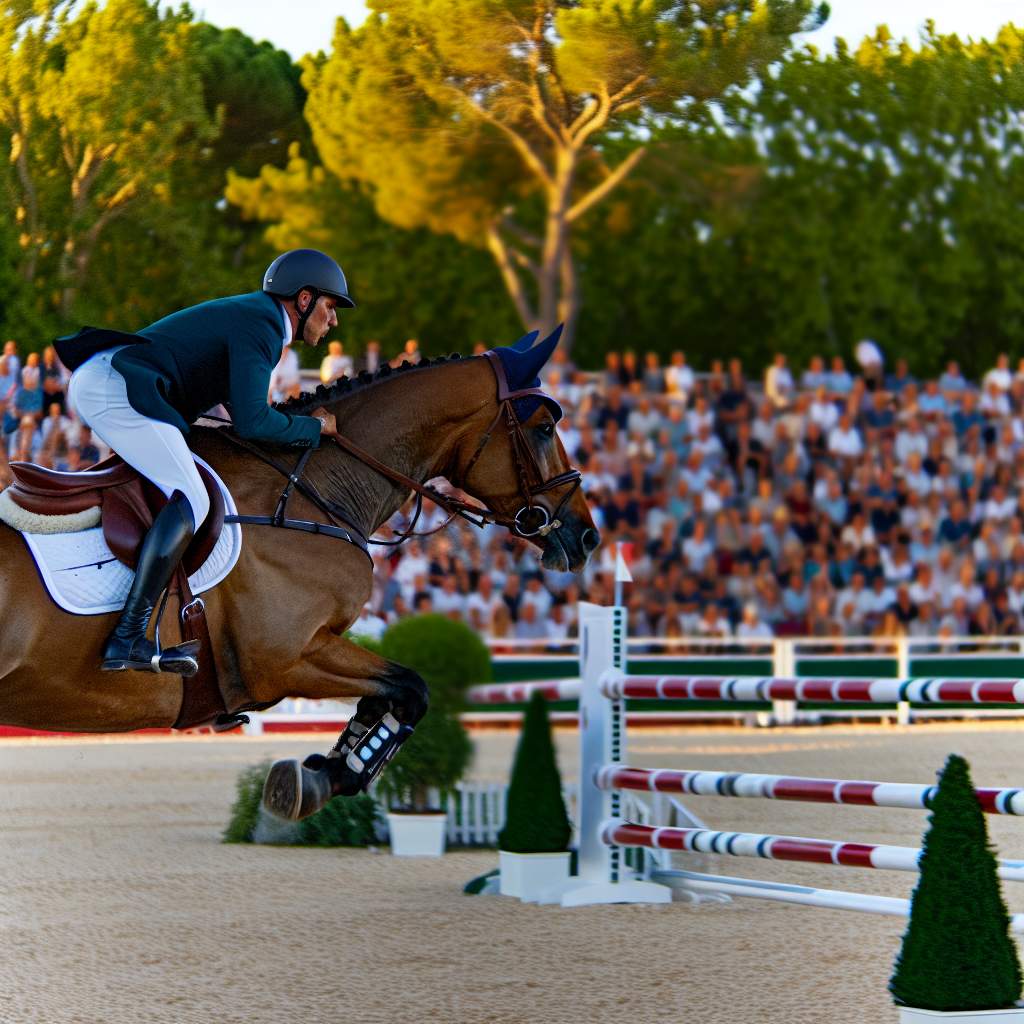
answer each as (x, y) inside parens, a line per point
(128, 647)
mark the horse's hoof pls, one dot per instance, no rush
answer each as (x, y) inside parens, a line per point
(294, 792)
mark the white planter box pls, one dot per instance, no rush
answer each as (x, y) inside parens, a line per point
(417, 835)
(530, 875)
(912, 1015)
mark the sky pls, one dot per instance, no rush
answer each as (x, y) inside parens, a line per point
(305, 26)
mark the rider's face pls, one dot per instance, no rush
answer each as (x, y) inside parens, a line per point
(322, 320)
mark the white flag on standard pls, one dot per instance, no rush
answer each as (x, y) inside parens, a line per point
(622, 574)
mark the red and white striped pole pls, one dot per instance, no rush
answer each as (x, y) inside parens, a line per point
(786, 787)
(769, 847)
(617, 685)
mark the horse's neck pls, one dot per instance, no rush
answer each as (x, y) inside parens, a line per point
(412, 423)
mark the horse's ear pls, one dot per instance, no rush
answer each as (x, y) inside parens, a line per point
(530, 363)
(523, 364)
(525, 343)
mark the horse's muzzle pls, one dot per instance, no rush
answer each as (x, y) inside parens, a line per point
(568, 548)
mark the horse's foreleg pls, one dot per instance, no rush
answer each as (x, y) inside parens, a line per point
(392, 699)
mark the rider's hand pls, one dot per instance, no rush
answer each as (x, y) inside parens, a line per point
(328, 424)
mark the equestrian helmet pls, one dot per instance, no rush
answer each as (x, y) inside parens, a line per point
(293, 271)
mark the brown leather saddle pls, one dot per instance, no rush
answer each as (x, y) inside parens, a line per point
(128, 504)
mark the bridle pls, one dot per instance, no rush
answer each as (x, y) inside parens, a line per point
(530, 521)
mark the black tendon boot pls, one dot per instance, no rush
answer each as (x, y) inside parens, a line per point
(128, 647)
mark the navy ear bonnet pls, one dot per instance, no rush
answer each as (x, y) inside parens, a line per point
(523, 362)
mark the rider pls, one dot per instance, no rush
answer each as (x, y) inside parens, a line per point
(140, 393)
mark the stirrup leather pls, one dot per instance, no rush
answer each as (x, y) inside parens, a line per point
(366, 749)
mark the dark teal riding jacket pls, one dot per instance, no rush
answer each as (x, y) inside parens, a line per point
(222, 351)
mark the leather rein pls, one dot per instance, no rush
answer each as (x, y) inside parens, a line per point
(531, 520)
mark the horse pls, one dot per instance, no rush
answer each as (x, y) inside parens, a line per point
(277, 623)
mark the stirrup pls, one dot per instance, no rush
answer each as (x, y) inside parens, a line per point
(182, 660)
(365, 750)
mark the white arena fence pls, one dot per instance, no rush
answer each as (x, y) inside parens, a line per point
(476, 811)
(608, 827)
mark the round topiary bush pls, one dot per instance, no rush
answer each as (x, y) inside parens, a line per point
(450, 657)
(448, 654)
(535, 818)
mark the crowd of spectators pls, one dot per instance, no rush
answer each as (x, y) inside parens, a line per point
(38, 426)
(832, 502)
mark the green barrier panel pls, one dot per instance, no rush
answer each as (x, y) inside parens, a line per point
(974, 666)
(529, 669)
(728, 665)
(508, 671)
(848, 668)
(1003, 666)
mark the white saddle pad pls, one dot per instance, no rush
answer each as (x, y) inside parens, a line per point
(83, 576)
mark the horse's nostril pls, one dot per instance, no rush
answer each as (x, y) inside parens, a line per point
(590, 539)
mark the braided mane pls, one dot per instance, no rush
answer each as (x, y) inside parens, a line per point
(345, 386)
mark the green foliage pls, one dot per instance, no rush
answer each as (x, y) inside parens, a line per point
(343, 821)
(865, 193)
(245, 811)
(486, 162)
(490, 120)
(957, 953)
(535, 821)
(408, 283)
(120, 123)
(449, 655)
(255, 92)
(369, 643)
(436, 756)
(92, 140)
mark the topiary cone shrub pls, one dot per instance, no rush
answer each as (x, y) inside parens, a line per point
(957, 953)
(450, 657)
(535, 819)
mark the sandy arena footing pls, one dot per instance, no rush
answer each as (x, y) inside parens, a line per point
(119, 904)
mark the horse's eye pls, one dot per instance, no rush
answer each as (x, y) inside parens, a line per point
(547, 430)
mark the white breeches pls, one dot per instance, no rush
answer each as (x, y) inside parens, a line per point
(97, 392)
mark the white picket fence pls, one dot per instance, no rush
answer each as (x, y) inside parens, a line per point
(476, 811)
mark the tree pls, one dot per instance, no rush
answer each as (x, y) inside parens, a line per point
(867, 192)
(97, 107)
(194, 246)
(491, 119)
(886, 203)
(408, 283)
